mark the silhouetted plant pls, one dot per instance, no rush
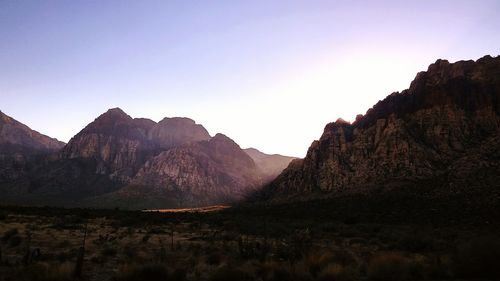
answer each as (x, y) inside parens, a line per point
(230, 274)
(389, 267)
(150, 272)
(9, 233)
(479, 258)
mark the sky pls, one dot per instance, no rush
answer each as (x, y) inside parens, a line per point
(269, 74)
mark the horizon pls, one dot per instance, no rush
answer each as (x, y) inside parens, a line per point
(268, 76)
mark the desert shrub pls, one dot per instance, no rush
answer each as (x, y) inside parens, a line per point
(109, 252)
(69, 222)
(388, 267)
(150, 272)
(230, 274)
(145, 238)
(156, 230)
(15, 241)
(478, 258)
(130, 251)
(338, 272)
(214, 258)
(272, 271)
(416, 242)
(9, 233)
(64, 244)
(45, 272)
(317, 263)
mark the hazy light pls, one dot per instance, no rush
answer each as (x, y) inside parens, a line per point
(269, 74)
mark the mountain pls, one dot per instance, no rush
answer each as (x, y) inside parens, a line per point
(172, 132)
(212, 171)
(270, 166)
(440, 137)
(19, 145)
(15, 136)
(117, 160)
(117, 143)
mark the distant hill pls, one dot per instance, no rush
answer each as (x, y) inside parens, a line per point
(269, 165)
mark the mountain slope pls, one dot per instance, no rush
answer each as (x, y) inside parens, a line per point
(117, 160)
(172, 132)
(15, 135)
(19, 145)
(443, 131)
(270, 166)
(117, 143)
(200, 173)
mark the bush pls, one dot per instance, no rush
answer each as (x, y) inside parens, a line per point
(9, 233)
(45, 272)
(214, 258)
(15, 241)
(338, 272)
(151, 272)
(389, 267)
(230, 274)
(479, 258)
(109, 252)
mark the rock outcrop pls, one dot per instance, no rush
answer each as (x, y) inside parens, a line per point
(117, 143)
(172, 132)
(444, 128)
(199, 173)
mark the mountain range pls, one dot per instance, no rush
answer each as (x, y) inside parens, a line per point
(437, 140)
(120, 161)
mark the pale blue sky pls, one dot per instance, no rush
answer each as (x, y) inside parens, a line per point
(269, 74)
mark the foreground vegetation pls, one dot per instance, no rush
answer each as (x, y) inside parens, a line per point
(288, 242)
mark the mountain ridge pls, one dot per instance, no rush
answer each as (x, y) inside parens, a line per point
(408, 137)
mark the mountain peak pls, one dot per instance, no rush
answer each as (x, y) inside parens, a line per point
(178, 120)
(171, 132)
(116, 112)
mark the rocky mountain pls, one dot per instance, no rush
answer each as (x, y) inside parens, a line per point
(16, 136)
(212, 171)
(117, 143)
(19, 145)
(120, 161)
(172, 132)
(269, 165)
(441, 134)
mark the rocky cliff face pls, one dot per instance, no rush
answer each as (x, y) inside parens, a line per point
(270, 166)
(172, 132)
(118, 144)
(450, 113)
(200, 173)
(120, 161)
(20, 145)
(13, 133)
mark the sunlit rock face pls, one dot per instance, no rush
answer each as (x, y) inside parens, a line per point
(118, 144)
(446, 126)
(204, 172)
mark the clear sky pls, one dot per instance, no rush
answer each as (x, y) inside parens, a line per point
(269, 74)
